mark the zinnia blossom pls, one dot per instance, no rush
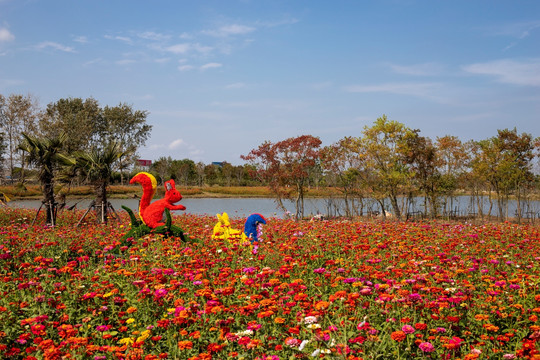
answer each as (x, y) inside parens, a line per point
(398, 336)
(185, 344)
(407, 329)
(426, 347)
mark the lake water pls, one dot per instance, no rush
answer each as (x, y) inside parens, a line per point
(242, 207)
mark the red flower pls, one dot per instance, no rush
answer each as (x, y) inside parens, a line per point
(398, 336)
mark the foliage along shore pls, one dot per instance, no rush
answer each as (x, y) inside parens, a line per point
(16, 192)
(31, 191)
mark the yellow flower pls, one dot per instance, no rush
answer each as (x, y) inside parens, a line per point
(144, 335)
(130, 320)
(126, 341)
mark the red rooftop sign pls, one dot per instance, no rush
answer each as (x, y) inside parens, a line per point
(144, 162)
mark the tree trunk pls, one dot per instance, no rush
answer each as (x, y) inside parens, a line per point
(383, 210)
(101, 202)
(299, 202)
(518, 210)
(347, 209)
(395, 206)
(47, 181)
(500, 205)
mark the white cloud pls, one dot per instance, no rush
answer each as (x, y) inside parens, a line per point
(5, 35)
(211, 66)
(426, 69)
(124, 62)
(150, 35)
(185, 67)
(203, 49)
(162, 60)
(285, 21)
(424, 90)
(176, 144)
(179, 48)
(119, 38)
(55, 46)
(237, 85)
(81, 39)
(229, 30)
(519, 30)
(526, 72)
(185, 36)
(94, 61)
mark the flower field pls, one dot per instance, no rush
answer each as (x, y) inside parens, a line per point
(323, 289)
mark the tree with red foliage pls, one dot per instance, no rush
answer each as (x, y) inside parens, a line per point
(285, 166)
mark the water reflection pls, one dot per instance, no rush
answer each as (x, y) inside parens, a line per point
(242, 207)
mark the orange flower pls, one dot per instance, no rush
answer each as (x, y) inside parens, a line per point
(185, 344)
(279, 320)
(131, 309)
(398, 335)
(321, 305)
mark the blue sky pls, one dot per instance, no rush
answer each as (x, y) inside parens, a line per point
(220, 77)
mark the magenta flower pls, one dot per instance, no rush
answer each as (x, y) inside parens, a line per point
(159, 293)
(426, 347)
(407, 329)
(102, 327)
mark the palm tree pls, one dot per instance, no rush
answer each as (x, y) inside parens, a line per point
(96, 166)
(44, 152)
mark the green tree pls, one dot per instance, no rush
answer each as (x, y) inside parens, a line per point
(184, 171)
(505, 161)
(18, 114)
(384, 145)
(421, 155)
(342, 167)
(79, 119)
(44, 153)
(96, 167)
(163, 168)
(227, 171)
(128, 128)
(90, 127)
(452, 158)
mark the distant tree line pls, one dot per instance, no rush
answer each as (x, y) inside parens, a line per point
(78, 141)
(188, 173)
(395, 167)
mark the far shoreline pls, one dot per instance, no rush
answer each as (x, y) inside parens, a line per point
(33, 192)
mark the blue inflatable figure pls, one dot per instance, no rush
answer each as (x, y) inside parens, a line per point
(250, 227)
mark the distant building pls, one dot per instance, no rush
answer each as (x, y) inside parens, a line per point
(144, 162)
(218, 163)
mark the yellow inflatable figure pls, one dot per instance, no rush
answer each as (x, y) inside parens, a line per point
(223, 231)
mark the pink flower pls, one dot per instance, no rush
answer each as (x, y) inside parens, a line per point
(102, 327)
(159, 293)
(292, 342)
(426, 347)
(456, 341)
(407, 329)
